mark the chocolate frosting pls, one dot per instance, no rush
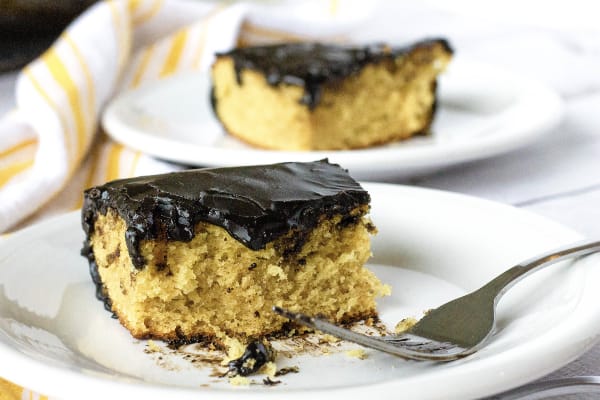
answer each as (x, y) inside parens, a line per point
(257, 354)
(255, 204)
(311, 65)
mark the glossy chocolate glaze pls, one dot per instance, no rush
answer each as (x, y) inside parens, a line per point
(255, 204)
(311, 65)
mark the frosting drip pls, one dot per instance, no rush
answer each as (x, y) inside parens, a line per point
(312, 65)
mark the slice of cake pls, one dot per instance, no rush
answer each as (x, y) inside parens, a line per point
(203, 255)
(309, 96)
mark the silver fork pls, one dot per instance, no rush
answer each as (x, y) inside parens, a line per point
(455, 329)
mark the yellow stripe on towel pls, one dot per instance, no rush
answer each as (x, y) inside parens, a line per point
(140, 19)
(134, 163)
(17, 147)
(61, 76)
(42, 92)
(134, 5)
(121, 32)
(114, 161)
(86, 72)
(269, 33)
(8, 390)
(7, 173)
(174, 55)
(92, 165)
(145, 58)
(334, 7)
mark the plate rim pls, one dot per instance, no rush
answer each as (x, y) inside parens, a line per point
(47, 376)
(392, 160)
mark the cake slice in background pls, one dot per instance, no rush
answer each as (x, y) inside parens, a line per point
(310, 96)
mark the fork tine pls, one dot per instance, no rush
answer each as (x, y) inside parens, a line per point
(418, 343)
(411, 340)
(339, 332)
(405, 339)
(406, 346)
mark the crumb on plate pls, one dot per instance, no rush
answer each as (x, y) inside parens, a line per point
(405, 324)
(357, 353)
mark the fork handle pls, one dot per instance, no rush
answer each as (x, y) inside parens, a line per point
(499, 285)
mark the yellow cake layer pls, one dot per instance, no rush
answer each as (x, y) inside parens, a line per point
(214, 287)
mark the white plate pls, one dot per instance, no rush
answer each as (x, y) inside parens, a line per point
(56, 338)
(483, 111)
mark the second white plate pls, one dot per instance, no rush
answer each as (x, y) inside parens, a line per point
(483, 111)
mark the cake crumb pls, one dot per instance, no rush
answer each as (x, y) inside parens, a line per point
(275, 270)
(327, 338)
(357, 353)
(269, 369)
(239, 380)
(152, 347)
(405, 324)
(234, 347)
(385, 290)
(370, 322)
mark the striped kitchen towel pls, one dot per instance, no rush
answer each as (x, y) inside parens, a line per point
(50, 145)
